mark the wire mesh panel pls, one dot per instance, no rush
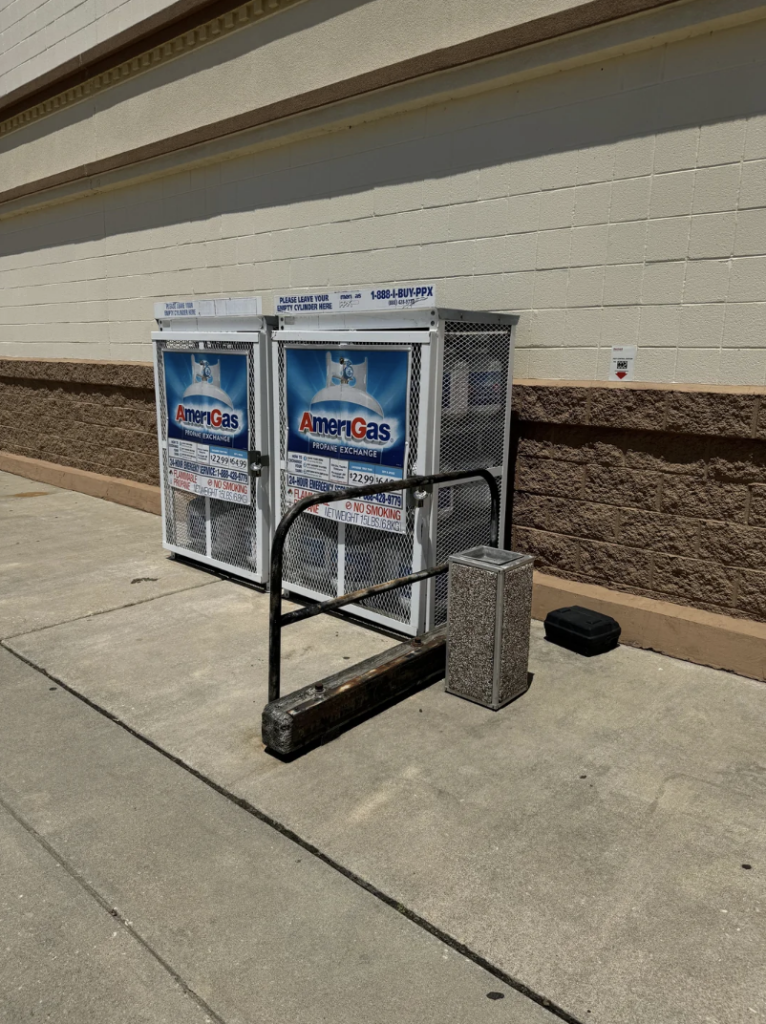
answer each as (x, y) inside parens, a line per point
(373, 556)
(470, 414)
(210, 529)
(476, 364)
(463, 522)
(370, 555)
(474, 388)
(189, 519)
(311, 551)
(233, 531)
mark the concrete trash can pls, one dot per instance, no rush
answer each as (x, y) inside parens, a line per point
(490, 611)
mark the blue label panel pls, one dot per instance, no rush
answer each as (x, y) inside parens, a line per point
(349, 404)
(206, 395)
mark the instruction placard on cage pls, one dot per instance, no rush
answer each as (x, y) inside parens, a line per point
(347, 426)
(401, 295)
(207, 424)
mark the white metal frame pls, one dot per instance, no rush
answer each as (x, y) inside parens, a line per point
(360, 339)
(353, 339)
(425, 327)
(255, 331)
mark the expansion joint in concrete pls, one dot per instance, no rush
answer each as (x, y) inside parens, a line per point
(105, 904)
(423, 923)
(102, 611)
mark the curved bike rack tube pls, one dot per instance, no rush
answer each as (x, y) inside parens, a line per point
(277, 620)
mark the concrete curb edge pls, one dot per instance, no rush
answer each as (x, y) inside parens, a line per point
(145, 497)
(690, 634)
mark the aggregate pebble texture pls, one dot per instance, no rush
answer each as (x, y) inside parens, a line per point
(652, 491)
(655, 492)
(472, 602)
(517, 617)
(96, 416)
(474, 645)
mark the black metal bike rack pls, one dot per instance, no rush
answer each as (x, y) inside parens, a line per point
(300, 718)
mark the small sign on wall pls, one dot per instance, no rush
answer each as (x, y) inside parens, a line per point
(623, 362)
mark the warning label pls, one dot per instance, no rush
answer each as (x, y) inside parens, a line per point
(623, 362)
(379, 511)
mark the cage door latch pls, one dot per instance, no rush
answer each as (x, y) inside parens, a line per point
(256, 462)
(419, 494)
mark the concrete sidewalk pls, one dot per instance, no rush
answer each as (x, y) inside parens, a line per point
(588, 841)
(134, 892)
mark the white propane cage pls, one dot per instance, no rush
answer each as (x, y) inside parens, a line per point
(213, 357)
(456, 399)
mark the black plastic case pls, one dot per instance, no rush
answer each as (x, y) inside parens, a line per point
(582, 630)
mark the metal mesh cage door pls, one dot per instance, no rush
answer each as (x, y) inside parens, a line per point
(311, 551)
(473, 434)
(209, 530)
(324, 558)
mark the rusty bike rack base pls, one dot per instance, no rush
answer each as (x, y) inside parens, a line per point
(292, 723)
(319, 711)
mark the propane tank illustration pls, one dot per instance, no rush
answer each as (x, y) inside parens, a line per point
(347, 382)
(206, 381)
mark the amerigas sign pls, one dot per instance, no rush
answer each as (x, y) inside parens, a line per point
(207, 424)
(347, 424)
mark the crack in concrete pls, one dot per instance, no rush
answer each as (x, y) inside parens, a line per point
(411, 915)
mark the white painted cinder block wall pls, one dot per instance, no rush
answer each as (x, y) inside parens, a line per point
(36, 37)
(619, 203)
(319, 41)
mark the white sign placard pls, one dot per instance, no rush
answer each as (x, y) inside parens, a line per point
(389, 296)
(250, 305)
(184, 307)
(207, 424)
(209, 471)
(623, 362)
(378, 512)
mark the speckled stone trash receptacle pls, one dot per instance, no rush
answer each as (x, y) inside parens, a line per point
(490, 611)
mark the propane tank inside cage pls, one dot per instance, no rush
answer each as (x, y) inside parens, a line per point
(460, 368)
(233, 537)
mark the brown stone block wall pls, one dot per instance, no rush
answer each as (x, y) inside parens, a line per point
(651, 490)
(93, 416)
